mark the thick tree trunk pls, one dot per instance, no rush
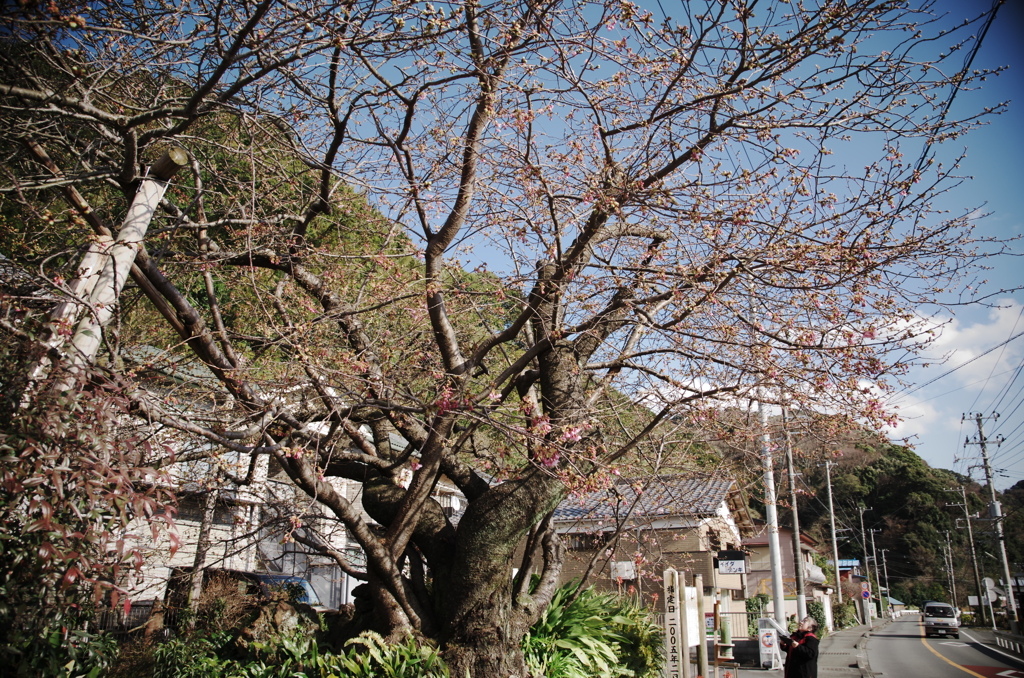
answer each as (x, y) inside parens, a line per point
(488, 640)
(482, 626)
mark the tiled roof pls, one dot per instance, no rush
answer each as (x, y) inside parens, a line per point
(679, 495)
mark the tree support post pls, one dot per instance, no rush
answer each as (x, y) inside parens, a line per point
(702, 636)
(63, 317)
(121, 255)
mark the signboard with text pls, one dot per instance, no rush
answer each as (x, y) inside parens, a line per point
(768, 634)
(732, 562)
(674, 643)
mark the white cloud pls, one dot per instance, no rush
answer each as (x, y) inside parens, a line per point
(932, 415)
(960, 342)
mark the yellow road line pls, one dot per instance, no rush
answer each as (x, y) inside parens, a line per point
(935, 652)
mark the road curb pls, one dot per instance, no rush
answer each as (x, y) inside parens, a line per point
(862, 656)
(863, 665)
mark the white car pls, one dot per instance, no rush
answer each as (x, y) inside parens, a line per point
(940, 619)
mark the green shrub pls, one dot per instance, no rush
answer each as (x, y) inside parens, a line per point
(597, 634)
(209, 655)
(194, 656)
(642, 648)
(55, 652)
(845, 615)
(817, 611)
(371, 657)
(756, 604)
(576, 638)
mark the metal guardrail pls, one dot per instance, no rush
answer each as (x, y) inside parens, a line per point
(116, 622)
(1010, 642)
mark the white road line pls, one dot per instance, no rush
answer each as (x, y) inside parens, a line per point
(1005, 654)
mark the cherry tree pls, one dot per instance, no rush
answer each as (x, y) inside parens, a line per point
(541, 242)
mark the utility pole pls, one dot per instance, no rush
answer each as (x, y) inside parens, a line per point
(798, 556)
(867, 570)
(835, 548)
(888, 596)
(970, 540)
(997, 513)
(774, 555)
(952, 575)
(874, 564)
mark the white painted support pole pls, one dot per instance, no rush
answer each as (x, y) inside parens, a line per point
(122, 255)
(702, 639)
(81, 288)
(63, 317)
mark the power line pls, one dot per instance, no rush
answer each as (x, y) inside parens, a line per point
(1006, 389)
(994, 365)
(960, 388)
(946, 374)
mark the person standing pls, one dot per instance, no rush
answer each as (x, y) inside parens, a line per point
(802, 650)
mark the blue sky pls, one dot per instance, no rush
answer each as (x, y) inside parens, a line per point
(994, 382)
(939, 395)
(965, 374)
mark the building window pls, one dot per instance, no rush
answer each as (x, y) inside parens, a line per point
(581, 541)
(714, 541)
(190, 508)
(450, 504)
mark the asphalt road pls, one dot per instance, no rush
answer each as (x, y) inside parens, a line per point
(900, 650)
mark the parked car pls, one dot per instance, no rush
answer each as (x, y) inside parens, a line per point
(262, 585)
(940, 619)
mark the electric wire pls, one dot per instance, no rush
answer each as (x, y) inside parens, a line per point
(906, 392)
(994, 407)
(999, 359)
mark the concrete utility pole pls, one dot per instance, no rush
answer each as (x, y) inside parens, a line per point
(835, 547)
(952, 574)
(867, 570)
(874, 564)
(798, 556)
(774, 552)
(997, 514)
(874, 554)
(885, 569)
(970, 540)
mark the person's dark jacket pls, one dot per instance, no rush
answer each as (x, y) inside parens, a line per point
(801, 655)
